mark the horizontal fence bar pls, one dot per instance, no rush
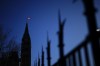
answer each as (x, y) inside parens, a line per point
(82, 44)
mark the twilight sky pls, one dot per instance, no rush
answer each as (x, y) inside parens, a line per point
(44, 17)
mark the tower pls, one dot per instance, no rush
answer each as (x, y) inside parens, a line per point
(48, 52)
(26, 48)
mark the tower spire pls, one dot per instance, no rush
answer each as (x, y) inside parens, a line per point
(48, 51)
(26, 48)
(26, 32)
(48, 37)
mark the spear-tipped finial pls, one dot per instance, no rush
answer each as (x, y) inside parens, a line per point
(42, 48)
(47, 36)
(63, 23)
(59, 17)
(48, 51)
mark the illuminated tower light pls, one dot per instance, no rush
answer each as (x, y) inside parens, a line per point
(28, 18)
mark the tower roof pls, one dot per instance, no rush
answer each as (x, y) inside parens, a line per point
(26, 32)
(48, 41)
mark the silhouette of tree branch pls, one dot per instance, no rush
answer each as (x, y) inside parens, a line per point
(7, 44)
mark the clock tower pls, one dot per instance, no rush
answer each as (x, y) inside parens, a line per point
(26, 48)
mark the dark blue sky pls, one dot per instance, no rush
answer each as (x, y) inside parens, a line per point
(44, 17)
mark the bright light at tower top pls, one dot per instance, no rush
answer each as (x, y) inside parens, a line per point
(28, 18)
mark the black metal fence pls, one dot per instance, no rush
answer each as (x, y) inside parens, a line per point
(71, 59)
